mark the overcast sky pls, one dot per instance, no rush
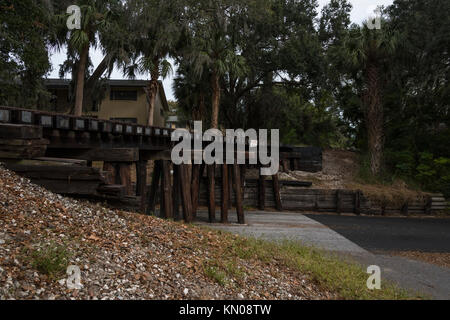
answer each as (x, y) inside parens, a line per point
(361, 10)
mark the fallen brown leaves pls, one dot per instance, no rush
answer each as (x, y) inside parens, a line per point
(124, 255)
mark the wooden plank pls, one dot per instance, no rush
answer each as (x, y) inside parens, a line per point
(238, 194)
(276, 192)
(16, 131)
(60, 172)
(70, 188)
(98, 154)
(76, 162)
(296, 183)
(225, 197)
(112, 190)
(156, 178)
(211, 193)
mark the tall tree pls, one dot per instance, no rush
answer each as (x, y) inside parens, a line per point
(157, 29)
(25, 32)
(211, 49)
(368, 52)
(95, 18)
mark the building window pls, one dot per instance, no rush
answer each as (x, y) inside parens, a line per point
(124, 95)
(95, 106)
(128, 120)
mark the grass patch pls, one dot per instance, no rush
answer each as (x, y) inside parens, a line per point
(222, 271)
(347, 280)
(214, 273)
(51, 259)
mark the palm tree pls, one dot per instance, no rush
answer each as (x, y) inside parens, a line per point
(211, 50)
(95, 16)
(157, 30)
(368, 52)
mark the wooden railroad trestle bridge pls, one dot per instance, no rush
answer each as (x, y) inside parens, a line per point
(45, 140)
(57, 151)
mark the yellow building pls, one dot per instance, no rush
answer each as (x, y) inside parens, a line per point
(124, 100)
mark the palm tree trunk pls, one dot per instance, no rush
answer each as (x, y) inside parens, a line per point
(374, 119)
(78, 111)
(215, 101)
(152, 91)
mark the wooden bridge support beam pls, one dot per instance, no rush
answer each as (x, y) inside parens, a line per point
(225, 195)
(262, 192)
(197, 174)
(186, 197)
(141, 183)
(239, 200)
(112, 170)
(156, 177)
(211, 193)
(176, 192)
(125, 177)
(276, 192)
(166, 191)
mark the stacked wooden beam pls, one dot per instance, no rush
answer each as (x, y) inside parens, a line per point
(438, 203)
(70, 177)
(21, 142)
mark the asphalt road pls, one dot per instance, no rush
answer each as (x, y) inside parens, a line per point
(391, 234)
(364, 240)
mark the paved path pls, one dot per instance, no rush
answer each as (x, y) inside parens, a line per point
(391, 234)
(359, 239)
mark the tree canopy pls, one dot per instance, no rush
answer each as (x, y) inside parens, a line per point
(279, 64)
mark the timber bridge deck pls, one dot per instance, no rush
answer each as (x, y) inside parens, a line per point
(57, 151)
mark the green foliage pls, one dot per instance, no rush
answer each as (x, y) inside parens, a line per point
(434, 173)
(51, 259)
(24, 34)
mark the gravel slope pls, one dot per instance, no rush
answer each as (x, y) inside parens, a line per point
(122, 255)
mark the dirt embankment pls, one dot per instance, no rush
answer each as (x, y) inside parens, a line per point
(122, 255)
(340, 171)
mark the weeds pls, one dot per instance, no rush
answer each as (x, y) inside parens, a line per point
(51, 259)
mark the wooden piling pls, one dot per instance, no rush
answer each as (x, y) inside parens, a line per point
(186, 197)
(166, 191)
(211, 193)
(225, 195)
(197, 173)
(262, 192)
(156, 177)
(141, 185)
(176, 192)
(125, 177)
(276, 192)
(239, 200)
